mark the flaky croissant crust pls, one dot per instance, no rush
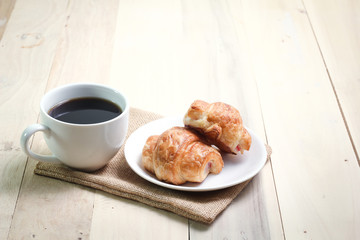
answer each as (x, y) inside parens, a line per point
(178, 155)
(220, 123)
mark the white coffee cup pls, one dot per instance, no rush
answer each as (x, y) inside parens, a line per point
(86, 147)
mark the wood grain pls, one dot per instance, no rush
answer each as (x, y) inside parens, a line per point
(130, 55)
(313, 162)
(336, 28)
(235, 83)
(116, 218)
(57, 210)
(84, 51)
(19, 99)
(172, 63)
(71, 62)
(289, 66)
(6, 7)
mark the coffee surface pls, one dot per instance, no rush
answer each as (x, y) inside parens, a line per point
(87, 110)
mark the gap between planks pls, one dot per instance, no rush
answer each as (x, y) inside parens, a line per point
(270, 162)
(21, 183)
(333, 86)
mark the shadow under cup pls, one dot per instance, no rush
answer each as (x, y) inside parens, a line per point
(86, 147)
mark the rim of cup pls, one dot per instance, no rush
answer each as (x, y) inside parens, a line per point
(45, 110)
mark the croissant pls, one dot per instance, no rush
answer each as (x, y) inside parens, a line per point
(179, 155)
(220, 123)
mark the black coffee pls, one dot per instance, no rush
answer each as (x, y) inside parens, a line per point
(87, 110)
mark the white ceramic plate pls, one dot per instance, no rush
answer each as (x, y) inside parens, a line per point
(237, 168)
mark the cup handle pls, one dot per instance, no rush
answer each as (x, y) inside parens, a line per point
(24, 142)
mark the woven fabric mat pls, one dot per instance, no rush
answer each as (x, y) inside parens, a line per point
(117, 178)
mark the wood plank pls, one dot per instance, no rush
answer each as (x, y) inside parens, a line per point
(83, 54)
(135, 220)
(336, 28)
(313, 162)
(85, 47)
(254, 213)
(49, 208)
(146, 60)
(126, 219)
(6, 7)
(31, 45)
(195, 54)
(78, 42)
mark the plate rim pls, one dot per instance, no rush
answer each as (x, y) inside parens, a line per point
(153, 180)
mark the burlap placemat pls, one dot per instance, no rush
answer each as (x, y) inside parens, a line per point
(117, 178)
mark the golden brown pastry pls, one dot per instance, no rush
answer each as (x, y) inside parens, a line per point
(220, 123)
(179, 155)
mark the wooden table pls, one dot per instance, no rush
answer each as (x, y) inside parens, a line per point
(292, 68)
